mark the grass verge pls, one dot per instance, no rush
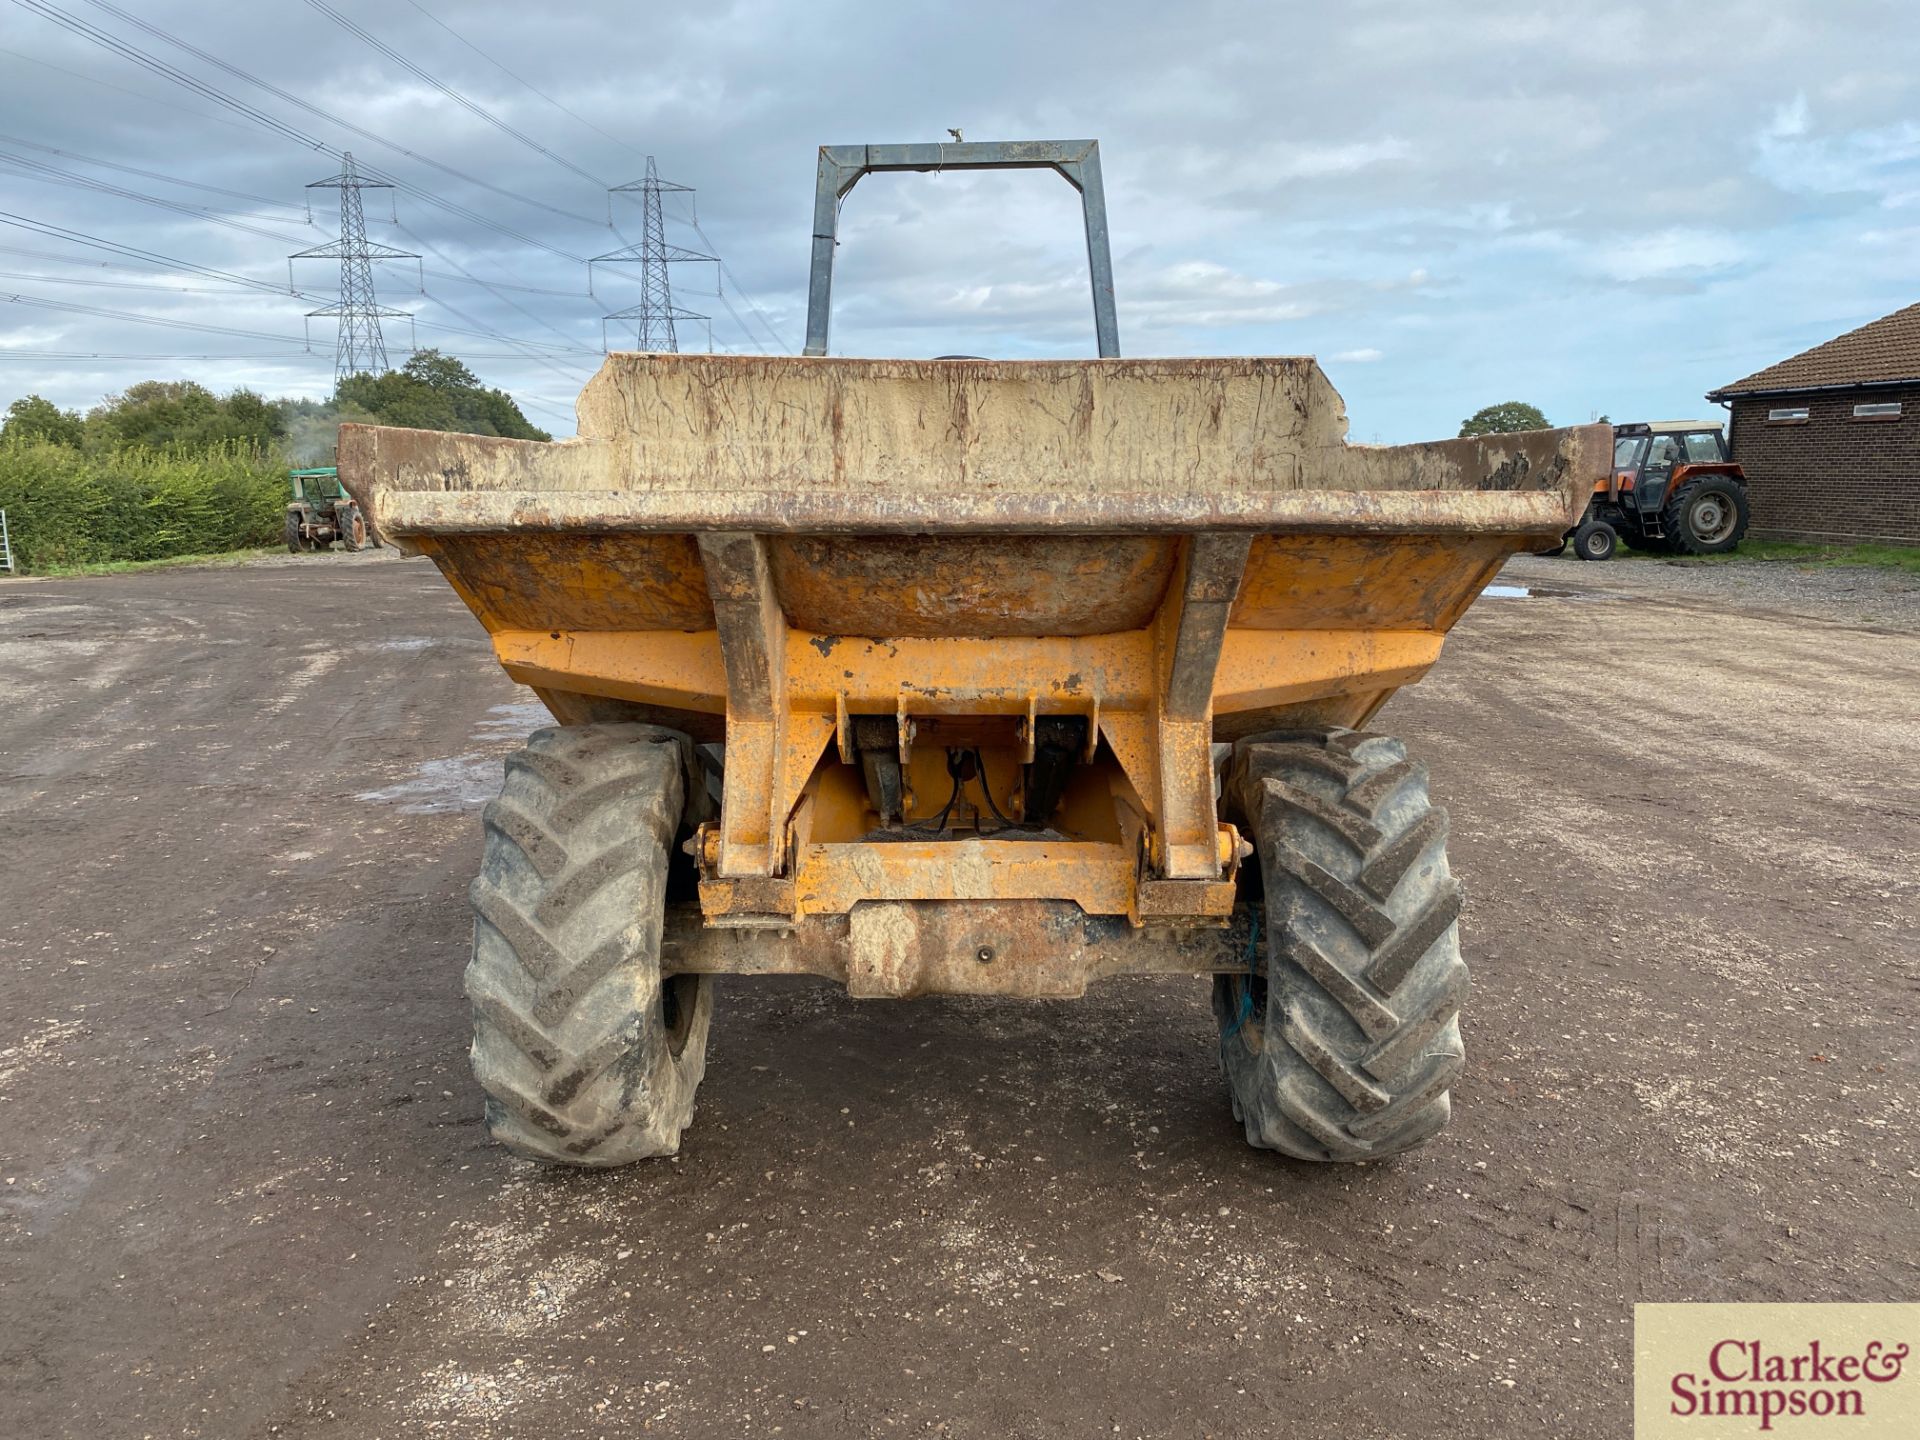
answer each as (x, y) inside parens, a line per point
(1902, 558)
(1905, 558)
(171, 562)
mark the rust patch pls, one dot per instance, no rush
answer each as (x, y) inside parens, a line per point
(925, 586)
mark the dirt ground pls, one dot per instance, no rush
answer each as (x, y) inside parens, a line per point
(246, 1190)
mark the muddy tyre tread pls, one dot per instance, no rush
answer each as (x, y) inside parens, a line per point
(1680, 537)
(571, 1040)
(1345, 1050)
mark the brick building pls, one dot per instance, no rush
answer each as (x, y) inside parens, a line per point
(1830, 438)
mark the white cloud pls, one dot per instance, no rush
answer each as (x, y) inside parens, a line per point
(1280, 180)
(1789, 120)
(1667, 254)
(1315, 162)
(1364, 356)
(1874, 160)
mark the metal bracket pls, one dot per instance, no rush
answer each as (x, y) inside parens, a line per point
(1078, 161)
(1167, 749)
(770, 753)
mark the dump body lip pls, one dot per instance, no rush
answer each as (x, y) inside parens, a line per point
(832, 446)
(1419, 512)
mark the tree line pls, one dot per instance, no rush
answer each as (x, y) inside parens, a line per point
(168, 468)
(431, 391)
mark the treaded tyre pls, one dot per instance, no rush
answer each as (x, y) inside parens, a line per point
(1594, 540)
(586, 1056)
(1345, 1048)
(1707, 516)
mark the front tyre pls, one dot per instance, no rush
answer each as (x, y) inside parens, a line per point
(587, 1055)
(1594, 540)
(1343, 1046)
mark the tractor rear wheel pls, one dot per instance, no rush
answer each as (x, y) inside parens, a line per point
(1343, 1046)
(588, 1056)
(1707, 516)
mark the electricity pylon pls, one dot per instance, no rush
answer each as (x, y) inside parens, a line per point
(656, 312)
(361, 348)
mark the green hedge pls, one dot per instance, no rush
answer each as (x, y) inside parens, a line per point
(66, 507)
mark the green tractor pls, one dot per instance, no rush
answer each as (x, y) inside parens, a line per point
(322, 512)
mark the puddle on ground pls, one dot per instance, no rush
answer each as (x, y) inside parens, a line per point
(463, 782)
(466, 782)
(513, 722)
(1524, 592)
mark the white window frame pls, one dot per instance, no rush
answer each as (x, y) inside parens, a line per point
(1788, 415)
(1877, 410)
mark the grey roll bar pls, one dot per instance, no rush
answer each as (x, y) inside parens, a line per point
(841, 167)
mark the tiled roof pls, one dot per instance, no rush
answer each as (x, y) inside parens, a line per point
(1886, 349)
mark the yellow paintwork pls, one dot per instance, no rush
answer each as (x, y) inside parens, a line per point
(774, 553)
(993, 684)
(1259, 670)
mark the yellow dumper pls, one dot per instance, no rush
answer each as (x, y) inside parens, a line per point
(966, 676)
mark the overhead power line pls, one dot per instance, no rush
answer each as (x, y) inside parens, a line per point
(124, 90)
(570, 114)
(726, 272)
(227, 277)
(134, 54)
(484, 284)
(168, 262)
(472, 107)
(39, 355)
(32, 169)
(135, 317)
(149, 174)
(266, 120)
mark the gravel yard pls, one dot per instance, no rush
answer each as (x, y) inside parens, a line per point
(247, 1191)
(1849, 594)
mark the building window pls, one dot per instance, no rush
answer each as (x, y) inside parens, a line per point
(1787, 415)
(1889, 410)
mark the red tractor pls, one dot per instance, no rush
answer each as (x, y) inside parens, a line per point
(1673, 491)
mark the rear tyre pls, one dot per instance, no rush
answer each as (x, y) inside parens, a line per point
(1344, 1048)
(1594, 540)
(1707, 516)
(587, 1056)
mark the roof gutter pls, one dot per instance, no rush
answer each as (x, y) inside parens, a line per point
(1721, 396)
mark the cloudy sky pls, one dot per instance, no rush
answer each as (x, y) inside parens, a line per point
(1595, 207)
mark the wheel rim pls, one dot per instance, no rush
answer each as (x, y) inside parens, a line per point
(1597, 545)
(679, 998)
(1711, 520)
